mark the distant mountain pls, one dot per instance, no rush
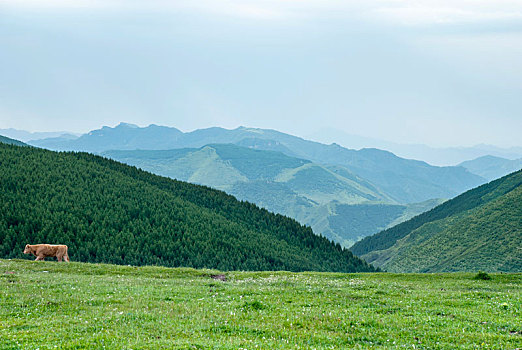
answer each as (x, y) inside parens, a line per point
(441, 156)
(479, 230)
(491, 168)
(405, 181)
(110, 212)
(11, 141)
(320, 196)
(124, 136)
(26, 136)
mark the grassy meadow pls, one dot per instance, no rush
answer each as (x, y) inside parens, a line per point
(49, 305)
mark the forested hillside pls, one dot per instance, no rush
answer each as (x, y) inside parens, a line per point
(480, 229)
(109, 212)
(332, 200)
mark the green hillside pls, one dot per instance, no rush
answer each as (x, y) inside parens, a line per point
(480, 229)
(109, 212)
(10, 141)
(305, 191)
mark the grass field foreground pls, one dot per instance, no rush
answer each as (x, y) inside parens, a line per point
(49, 305)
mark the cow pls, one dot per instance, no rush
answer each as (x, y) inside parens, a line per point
(42, 251)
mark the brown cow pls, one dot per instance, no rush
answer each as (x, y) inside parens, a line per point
(42, 251)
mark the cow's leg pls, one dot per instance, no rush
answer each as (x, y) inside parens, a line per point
(66, 257)
(59, 257)
(40, 257)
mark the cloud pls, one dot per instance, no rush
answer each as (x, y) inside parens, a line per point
(397, 12)
(421, 12)
(55, 4)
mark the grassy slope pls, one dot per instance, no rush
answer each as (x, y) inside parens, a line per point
(481, 229)
(466, 201)
(84, 306)
(200, 166)
(322, 185)
(487, 238)
(221, 165)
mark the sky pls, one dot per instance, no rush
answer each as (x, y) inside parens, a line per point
(436, 72)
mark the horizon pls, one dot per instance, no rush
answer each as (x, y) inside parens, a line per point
(306, 137)
(439, 73)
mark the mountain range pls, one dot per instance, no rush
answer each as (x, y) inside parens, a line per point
(324, 186)
(480, 229)
(405, 181)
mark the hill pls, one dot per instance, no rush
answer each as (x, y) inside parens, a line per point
(10, 141)
(404, 180)
(110, 212)
(124, 307)
(480, 229)
(329, 199)
(491, 168)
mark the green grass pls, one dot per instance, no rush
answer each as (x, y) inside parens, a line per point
(48, 305)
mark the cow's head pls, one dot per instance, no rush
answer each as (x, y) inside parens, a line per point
(27, 249)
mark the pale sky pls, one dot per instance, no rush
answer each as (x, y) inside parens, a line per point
(439, 72)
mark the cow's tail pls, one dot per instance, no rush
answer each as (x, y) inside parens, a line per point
(66, 255)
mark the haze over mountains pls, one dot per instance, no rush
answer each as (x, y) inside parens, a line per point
(491, 168)
(440, 156)
(419, 181)
(343, 194)
(26, 136)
